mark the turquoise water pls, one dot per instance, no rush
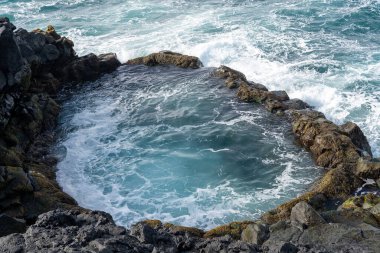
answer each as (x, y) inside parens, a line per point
(177, 146)
(324, 52)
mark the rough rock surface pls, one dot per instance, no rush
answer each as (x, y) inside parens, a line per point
(32, 70)
(37, 64)
(89, 231)
(168, 58)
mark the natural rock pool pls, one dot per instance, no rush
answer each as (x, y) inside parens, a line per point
(176, 145)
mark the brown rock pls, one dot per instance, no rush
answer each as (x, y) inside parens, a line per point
(168, 58)
(249, 94)
(358, 138)
(228, 73)
(368, 168)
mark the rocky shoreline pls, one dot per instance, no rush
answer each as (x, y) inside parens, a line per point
(37, 216)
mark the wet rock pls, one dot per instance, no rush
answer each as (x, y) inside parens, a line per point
(295, 104)
(255, 234)
(279, 95)
(358, 138)
(88, 68)
(303, 216)
(10, 225)
(234, 78)
(250, 94)
(368, 168)
(168, 58)
(258, 86)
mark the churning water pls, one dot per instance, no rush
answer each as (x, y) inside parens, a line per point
(176, 145)
(324, 52)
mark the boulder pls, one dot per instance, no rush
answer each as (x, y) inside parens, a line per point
(233, 229)
(10, 225)
(357, 137)
(250, 94)
(368, 168)
(88, 68)
(303, 216)
(375, 211)
(295, 104)
(73, 231)
(225, 72)
(255, 234)
(168, 58)
(279, 95)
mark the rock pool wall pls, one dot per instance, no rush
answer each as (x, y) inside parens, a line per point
(37, 216)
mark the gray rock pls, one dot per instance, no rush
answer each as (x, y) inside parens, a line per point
(144, 233)
(255, 234)
(73, 231)
(303, 216)
(14, 243)
(10, 225)
(3, 80)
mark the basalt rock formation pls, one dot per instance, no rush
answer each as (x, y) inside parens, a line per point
(37, 216)
(33, 67)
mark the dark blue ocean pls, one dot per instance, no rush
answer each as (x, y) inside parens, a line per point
(178, 146)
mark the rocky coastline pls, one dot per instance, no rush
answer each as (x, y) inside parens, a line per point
(37, 216)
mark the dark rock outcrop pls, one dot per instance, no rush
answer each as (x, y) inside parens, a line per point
(31, 64)
(168, 58)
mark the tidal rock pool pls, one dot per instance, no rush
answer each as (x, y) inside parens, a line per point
(176, 145)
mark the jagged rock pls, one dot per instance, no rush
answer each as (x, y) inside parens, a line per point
(368, 169)
(365, 201)
(295, 104)
(255, 234)
(358, 138)
(224, 244)
(10, 225)
(375, 211)
(50, 52)
(168, 58)
(228, 73)
(250, 94)
(258, 86)
(283, 247)
(10, 59)
(233, 229)
(64, 231)
(14, 243)
(3, 80)
(144, 233)
(88, 68)
(279, 95)
(303, 216)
